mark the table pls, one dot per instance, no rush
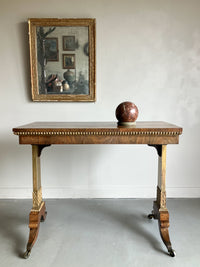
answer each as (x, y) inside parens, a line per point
(43, 134)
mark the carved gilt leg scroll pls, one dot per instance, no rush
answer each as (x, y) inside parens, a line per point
(38, 211)
(160, 211)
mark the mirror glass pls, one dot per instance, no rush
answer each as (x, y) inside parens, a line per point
(62, 60)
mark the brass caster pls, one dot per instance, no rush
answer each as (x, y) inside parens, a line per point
(172, 252)
(151, 216)
(27, 254)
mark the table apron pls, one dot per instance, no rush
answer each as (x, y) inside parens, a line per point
(43, 140)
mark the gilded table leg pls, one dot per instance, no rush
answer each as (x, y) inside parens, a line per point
(160, 211)
(38, 211)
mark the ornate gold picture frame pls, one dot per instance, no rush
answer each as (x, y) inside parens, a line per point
(55, 80)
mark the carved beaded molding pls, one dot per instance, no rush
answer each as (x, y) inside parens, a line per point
(111, 133)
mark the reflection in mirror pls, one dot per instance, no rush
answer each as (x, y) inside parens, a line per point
(63, 61)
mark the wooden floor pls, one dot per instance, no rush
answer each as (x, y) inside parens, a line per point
(100, 233)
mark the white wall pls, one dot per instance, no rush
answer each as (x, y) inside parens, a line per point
(148, 52)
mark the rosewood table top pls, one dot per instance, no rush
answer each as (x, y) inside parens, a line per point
(152, 132)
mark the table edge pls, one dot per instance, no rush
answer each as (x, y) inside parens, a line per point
(52, 131)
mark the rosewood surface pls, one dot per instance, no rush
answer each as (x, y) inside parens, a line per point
(97, 133)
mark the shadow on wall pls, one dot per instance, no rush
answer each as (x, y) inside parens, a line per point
(13, 162)
(24, 46)
(59, 164)
(90, 168)
(72, 164)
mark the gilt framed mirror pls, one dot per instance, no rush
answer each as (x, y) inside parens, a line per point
(63, 59)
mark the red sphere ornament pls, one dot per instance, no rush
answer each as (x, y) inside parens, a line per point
(126, 113)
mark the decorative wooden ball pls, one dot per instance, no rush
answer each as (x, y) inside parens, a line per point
(126, 113)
